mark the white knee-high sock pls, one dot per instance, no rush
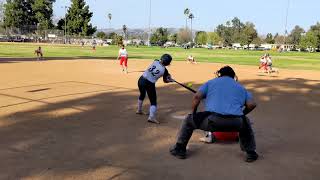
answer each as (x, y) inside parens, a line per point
(153, 111)
(140, 103)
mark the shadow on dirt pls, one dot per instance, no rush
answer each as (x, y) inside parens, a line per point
(101, 133)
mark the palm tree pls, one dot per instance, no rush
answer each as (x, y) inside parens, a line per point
(124, 28)
(186, 13)
(191, 16)
(109, 17)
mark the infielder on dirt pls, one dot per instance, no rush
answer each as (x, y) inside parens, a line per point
(147, 83)
(226, 105)
(123, 55)
(39, 53)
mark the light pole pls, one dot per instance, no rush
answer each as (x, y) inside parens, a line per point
(191, 16)
(65, 24)
(286, 23)
(149, 33)
(186, 12)
(110, 17)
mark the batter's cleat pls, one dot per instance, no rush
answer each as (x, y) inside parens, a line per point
(141, 113)
(251, 156)
(153, 120)
(178, 152)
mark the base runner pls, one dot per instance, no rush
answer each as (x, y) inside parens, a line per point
(147, 83)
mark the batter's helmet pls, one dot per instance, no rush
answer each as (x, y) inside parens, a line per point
(166, 59)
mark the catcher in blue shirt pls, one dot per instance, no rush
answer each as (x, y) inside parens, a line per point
(226, 105)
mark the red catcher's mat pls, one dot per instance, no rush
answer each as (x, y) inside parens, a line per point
(226, 136)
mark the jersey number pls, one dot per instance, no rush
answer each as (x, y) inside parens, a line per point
(154, 71)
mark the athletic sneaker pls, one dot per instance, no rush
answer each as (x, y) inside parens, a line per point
(153, 120)
(178, 152)
(251, 156)
(207, 138)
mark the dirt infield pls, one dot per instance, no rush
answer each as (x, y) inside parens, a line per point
(75, 119)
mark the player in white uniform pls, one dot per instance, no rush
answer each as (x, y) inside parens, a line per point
(269, 64)
(263, 61)
(147, 83)
(123, 55)
(191, 59)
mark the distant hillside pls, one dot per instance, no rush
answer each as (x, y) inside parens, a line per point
(137, 31)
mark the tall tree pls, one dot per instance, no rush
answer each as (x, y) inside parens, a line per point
(78, 19)
(214, 38)
(43, 13)
(201, 37)
(1, 12)
(295, 35)
(173, 37)
(111, 35)
(249, 34)
(257, 41)
(279, 39)
(225, 32)
(118, 40)
(269, 39)
(183, 36)
(160, 36)
(125, 31)
(109, 17)
(316, 30)
(101, 35)
(237, 28)
(309, 40)
(19, 13)
(186, 12)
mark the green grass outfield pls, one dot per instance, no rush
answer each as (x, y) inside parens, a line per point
(288, 60)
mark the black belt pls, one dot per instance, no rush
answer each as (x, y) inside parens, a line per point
(226, 116)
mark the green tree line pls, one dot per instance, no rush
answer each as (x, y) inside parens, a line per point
(245, 33)
(39, 13)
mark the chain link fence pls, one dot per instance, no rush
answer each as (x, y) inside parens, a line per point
(31, 33)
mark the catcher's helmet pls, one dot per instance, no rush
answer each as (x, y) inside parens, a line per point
(226, 71)
(166, 59)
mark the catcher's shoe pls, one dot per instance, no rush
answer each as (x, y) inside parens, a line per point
(251, 156)
(153, 120)
(178, 152)
(207, 138)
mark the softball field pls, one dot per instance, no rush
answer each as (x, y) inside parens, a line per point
(75, 119)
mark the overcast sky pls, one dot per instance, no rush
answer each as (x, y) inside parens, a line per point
(267, 15)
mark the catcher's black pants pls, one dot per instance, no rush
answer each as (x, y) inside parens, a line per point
(148, 87)
(209, 121)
